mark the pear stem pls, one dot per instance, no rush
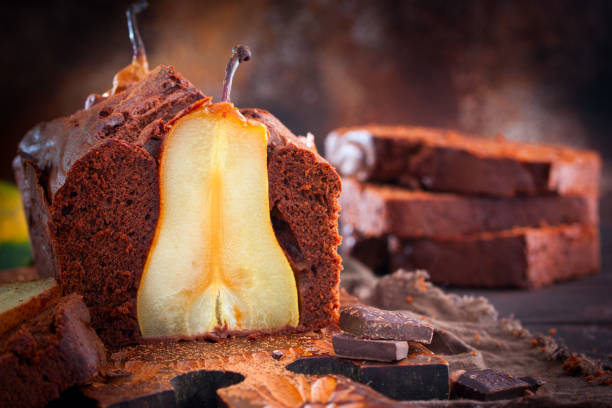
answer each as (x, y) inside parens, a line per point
(240, 53)
(138, 48)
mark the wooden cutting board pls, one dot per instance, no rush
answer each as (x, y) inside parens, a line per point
(252, 372)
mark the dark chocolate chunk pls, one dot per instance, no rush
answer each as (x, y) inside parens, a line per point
(492, 385)
(534, 382)
(420, 376)
(349, 346)
(372, 323)
(324, 364)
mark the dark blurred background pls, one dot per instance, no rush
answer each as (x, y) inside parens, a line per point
(531, 70)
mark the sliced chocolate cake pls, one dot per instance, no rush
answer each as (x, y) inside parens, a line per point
(91, 195)
(49, 353)
(469, 210)
(304, 190)
(449, 161)
(520, 257)
(383, 209)
(92, 185)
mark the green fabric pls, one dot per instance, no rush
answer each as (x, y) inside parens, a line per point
(15, 254)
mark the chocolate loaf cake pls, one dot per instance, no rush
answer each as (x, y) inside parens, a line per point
(380, 209)
(521, 257)
(447, 161)
(51, 352)
(90, 187)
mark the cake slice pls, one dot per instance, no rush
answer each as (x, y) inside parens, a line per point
(20, 301)
(520, 257)
(448, 161)
(380, 209)
(48, 354)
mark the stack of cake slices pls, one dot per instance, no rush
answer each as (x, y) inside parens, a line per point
(471, 211)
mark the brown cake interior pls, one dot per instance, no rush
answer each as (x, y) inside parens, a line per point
(102, 244)
(304, 191)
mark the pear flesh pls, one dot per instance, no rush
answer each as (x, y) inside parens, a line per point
(215, 262)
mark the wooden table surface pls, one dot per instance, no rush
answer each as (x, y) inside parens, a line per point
(579, 312)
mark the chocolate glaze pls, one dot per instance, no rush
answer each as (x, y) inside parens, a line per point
(37, 210)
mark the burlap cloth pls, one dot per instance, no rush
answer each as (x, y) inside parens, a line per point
(470, 335)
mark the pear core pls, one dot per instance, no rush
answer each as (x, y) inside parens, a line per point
(215, 263)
